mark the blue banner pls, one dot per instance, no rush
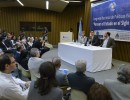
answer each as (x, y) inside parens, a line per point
(112, 14)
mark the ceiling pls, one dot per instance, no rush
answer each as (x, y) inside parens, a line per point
(54, 5)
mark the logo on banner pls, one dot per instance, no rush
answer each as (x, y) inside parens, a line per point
(112, 6)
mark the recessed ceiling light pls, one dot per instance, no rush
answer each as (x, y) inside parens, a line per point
(20, 2)
(47, 4)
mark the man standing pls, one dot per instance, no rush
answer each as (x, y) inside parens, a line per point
(10, 87)
(108, 41)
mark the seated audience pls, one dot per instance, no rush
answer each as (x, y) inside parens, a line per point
(108, 42)
(99, 92)
(34, 63)
(40, 44)
(120, 87)
(18, 52)
(46, 87)
(60, 76)
(11, 88)
(24, 59)
(79, 80)
(8, 42)
(2, 44)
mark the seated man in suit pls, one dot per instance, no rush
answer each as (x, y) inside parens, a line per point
(8, 42)
(79, 80)
(40, 44)
(108, 41)
(120, 87)
(60, 76)
(11, 88)
(93, 39)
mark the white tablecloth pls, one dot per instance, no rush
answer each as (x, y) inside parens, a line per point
(97, 58)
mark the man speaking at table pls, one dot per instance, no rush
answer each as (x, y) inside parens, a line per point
(93, 39)
(108, 41)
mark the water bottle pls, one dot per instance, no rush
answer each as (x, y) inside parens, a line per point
(87, 43)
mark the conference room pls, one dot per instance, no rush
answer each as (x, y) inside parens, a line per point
(56, 28)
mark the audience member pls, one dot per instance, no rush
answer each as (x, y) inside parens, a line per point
(40, 44)
(18, 52)
(99, 92)
(120, 87)
(34, 63)
(46, 87)
(60, 76)
(24, 57)
(8, 42)
(108, 41)
(79, 80)
(10, 87)
(2, 44)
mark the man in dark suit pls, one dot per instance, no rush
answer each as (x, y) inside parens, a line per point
(79, 80)
(40, 44)
(94, 40)
(60, 76)
(108, 41)
(2, 45)
(8, 42)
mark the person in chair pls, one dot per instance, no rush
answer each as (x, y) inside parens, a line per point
(60, 76)
(120, 87)
(79, 80)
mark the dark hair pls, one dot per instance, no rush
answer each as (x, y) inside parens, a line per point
(47, 78)
(108, 33)
(71, 29)
(99, 92)
(5, 59)
(19, 48)
(24, 54)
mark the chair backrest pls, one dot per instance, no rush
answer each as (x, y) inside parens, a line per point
(78, 95)
(25, 73)
(33, 76)
(65, 89)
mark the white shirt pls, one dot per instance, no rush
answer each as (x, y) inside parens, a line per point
(10, 88)
(33, 65)
(82, 39)
(105, 42)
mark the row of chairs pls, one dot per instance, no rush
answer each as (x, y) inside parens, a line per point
(75, 94)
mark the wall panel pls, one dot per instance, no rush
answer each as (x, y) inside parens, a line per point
(10, 18)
